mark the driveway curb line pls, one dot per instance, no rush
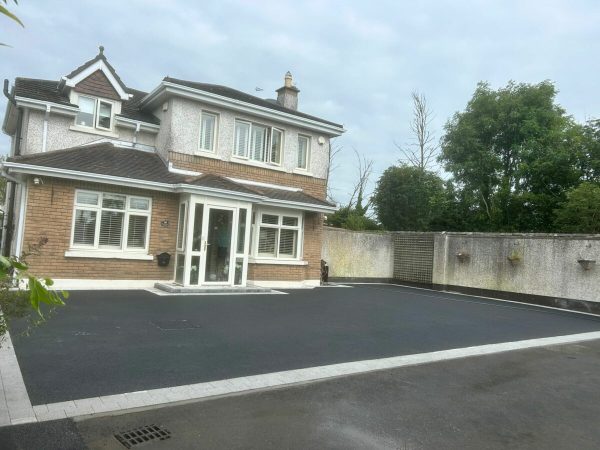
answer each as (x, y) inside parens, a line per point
(175, 395)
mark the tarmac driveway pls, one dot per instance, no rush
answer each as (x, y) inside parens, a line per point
(110, 342)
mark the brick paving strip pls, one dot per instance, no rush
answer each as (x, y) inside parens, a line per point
(16, 407)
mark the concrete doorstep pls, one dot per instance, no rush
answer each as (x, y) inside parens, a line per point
(15, 407)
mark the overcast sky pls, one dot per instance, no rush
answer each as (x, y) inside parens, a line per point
(354, 62)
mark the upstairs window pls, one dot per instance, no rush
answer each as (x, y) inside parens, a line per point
(258, 142)
(94, 113)
(303, 151)
(208, 125)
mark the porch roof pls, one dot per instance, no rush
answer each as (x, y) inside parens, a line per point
(106, 163)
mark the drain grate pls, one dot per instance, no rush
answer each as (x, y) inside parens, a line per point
(141, 435)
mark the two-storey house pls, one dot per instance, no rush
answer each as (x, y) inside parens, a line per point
(231, 186)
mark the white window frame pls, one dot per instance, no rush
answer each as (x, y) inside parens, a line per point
(267, 150)
(215, 132)
(308, 151)
(127, 211)
(279, 226)
(96, 118)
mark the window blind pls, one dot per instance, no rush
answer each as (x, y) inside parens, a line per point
(207, 132)
(136, 234)
(111, 228)
(258, 141)
(85, 227)
(242, 132)
(266, 241)
(287, 242)
(276, 141)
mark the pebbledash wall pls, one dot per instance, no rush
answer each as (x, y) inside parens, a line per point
(533, 264)
(49, 213)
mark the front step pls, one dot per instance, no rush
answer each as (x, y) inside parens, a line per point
(173, 288)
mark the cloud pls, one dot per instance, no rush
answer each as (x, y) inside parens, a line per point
(354, 62)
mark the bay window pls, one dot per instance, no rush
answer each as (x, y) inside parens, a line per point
(94, 113)
(258, 142)
(117, 222)
(278, 235)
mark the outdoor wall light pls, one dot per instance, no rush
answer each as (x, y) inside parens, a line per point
(37, 181)
(587, 264)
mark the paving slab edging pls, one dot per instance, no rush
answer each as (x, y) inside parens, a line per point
(15, 406)
(120, 403)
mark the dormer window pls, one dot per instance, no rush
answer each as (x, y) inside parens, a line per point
(94, 113)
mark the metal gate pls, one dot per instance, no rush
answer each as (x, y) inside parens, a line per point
(413, 257)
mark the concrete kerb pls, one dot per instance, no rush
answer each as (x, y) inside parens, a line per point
(123, 403)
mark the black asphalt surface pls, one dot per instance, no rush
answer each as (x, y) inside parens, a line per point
(545, 398)
(109, 342)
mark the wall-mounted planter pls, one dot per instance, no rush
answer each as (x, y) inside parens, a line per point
(515, 258)
(587, 264)
(463, 256)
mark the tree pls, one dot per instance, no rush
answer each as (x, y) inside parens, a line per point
(581, 212)
(512, 149)
(355, 214)
(334, 150)
(21, 292)
(407, 198)
(421, 152)
(4, 11)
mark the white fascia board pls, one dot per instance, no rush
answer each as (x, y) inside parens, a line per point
(86, 176)
(214, 192)
(129, 182)
(43, 106)
(261, 184)
(156, 186)
(213, 99)
(98, 65)
(132, 123)
(298, 205)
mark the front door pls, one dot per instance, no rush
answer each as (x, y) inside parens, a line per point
(217, 255)
(212, 237)
(212, 242)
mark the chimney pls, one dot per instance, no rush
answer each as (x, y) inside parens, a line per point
(287, 95)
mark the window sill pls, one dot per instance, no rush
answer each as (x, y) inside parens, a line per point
(91, 130)
(248, 162)
(283, 262)
(303, 172)
(206, 154)
(107, 254)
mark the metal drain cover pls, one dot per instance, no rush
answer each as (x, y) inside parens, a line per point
(179, 324)
(141, 435)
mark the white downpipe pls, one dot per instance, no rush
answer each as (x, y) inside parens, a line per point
(21, 225)
(135, 134)
(45, 133)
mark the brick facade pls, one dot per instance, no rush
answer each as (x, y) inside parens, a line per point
(313, 236)
(98, 85)
(316, 187)
(49, 213)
